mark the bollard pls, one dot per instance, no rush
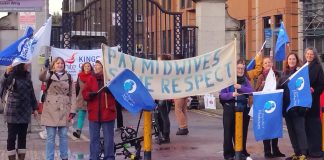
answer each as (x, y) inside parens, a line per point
(238, 135)
(147, 135)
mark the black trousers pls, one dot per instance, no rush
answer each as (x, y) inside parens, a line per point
(314, 135)
(297, 133)
(229, 129)
(270, 143)
(163, 116)
(120, 122)
(15, 130)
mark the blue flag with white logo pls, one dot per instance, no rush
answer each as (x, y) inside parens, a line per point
(267, 114)
(299, 88)
(281, 43)
(130, 92)
(13, 50)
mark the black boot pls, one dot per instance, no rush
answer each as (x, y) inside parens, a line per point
(166, 138)
(184, 131)
(275, 149)
(267, 149)
(77, 133)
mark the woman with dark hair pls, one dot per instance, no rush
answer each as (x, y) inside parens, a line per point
(20, 104)
(295, 117)
(59, 106)
(83, 76)
(267, 64)
(232, 98)
(313, 122)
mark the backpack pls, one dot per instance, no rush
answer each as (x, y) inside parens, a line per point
(43, 98)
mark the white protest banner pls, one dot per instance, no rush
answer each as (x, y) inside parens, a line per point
(199, 75)
(75, 58)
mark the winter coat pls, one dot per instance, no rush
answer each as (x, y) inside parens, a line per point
(81, 104)
(316, 78)
(254, 73)
(226, 95)
(101, 108)
(21, 100)
(59, 98)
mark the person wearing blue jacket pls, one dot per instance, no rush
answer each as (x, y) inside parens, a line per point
(231, 98)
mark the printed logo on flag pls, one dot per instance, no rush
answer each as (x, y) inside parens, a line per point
(27, 45)
(300, 82)
(270, 106)
(130, 86)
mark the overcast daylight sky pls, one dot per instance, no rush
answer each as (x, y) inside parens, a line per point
(54, 6)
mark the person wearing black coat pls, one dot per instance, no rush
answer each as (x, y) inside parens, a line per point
(20, 104)
(313, 121)
(295, 117)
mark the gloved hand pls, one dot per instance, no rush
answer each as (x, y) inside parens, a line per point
(71, 116)
(92, 94)
(47, 63)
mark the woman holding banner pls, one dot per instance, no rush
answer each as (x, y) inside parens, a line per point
(313, 122)
(232, 100)
(101, 114)
(267, 64)
(83, 76)
(295, 117)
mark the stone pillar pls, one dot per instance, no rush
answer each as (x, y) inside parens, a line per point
(210, 20)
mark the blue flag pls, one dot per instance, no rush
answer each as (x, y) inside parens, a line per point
(299, 89)
(267, 114)
(12, 51)
(251, 65)
(130, 92)
(281, 43)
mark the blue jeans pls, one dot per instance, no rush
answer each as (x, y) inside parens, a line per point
(50, 142)
(108, 133)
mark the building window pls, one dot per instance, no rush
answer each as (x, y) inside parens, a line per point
(164, 47)
(169, 41)
(182, 4)
(164, 4)
(242, 39)
(169, 5)
(267, 36)
(189, 3)
(278, 20)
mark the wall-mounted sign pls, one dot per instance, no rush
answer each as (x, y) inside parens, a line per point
(21, 5)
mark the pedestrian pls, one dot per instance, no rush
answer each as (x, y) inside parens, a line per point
(164, 108)
(313, 122)
(59, 107)
(295, 117)
(120, 121)
(180, 110)
(20, 103)
(233, 99)
(267, 64)
(83, 76)
(101, 114)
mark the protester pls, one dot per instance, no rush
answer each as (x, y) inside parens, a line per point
(164, 108)
(120, 121)
(58, 108)
(180, 110)
(101, 114)
(267, 64)
(295, 117)
(233, 101)
(313, 122)
(20, 103)
(83, 76)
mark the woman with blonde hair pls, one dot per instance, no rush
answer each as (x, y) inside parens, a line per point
(58, 108)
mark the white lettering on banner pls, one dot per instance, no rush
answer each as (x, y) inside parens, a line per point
(199, 75)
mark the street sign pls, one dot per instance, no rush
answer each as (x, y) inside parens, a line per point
(21, 5)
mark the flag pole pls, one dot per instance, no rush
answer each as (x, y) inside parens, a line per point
(238, 120)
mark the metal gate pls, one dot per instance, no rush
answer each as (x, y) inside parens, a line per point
(141, 28)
